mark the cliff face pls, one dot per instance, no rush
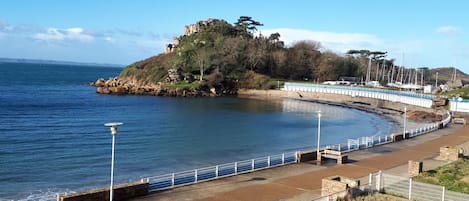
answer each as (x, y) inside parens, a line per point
(199, 26)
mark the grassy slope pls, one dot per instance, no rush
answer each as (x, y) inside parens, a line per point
(464, 93)
(454, 176)
(445, 74)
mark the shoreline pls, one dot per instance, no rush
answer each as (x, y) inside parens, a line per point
(384, 112)
(393, 115)
(302, 181)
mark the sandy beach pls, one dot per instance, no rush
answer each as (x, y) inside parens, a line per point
(391, 113)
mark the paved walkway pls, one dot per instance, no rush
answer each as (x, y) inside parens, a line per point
(303, 181)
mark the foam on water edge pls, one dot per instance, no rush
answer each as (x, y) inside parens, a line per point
(40, 195)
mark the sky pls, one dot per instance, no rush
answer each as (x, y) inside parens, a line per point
(428, 33)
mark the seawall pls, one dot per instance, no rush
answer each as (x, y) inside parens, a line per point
(329, 98)
(121, 192)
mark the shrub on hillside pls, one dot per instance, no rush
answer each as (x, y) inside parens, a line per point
(254, 80)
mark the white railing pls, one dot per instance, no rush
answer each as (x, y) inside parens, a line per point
(414, 190)
(172, 180)
(410, 98)
(240, 167)
(402, 187)
(375, 140)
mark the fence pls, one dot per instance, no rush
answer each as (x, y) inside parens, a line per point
(413, 190)
(230, 169)
(375, 140)
(458, 106)
(403, 187)
(410, 98)
(219, 171)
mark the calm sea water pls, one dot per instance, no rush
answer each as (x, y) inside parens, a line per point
(52, 138)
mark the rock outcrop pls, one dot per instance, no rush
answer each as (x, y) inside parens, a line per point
(189, 30)
(172, 46)
(118, 86)
(424, 117)
(197, 27)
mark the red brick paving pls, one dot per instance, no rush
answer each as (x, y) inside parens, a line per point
(311, 181)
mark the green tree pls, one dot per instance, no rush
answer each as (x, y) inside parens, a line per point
(303, 58)
(202, 57)
(246, 25)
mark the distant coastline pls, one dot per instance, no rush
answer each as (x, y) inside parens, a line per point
(55, 62)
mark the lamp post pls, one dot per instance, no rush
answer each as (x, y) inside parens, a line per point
(318, 155)
(113, 126)
(405, 121)
(436, 80)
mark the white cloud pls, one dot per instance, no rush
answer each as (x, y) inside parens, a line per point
(3, 24)
(54, 34)
(448, 30)
(108, 39)
(331, 40)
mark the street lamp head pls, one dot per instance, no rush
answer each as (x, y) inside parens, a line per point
(319, 113)
(113, 126)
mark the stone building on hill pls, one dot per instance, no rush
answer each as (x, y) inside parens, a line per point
(188, 30)
(171, 47)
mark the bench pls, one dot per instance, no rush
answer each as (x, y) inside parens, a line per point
(327, 153)
(459, 121)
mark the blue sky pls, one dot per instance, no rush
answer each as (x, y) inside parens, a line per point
(427, 33)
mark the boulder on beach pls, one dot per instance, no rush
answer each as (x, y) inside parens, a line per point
(422, 116)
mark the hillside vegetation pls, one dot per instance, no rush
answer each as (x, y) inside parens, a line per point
(454, 176)
(219, 54)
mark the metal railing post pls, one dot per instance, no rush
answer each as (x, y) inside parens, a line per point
(378, 181)
(195, 176)
(443, 194)
(410, 189)
(172, 179)
(268, 161)
(370, 182)
(252, 165)
(236, 167)
(216, 171)
(358, 140)
(283, 158)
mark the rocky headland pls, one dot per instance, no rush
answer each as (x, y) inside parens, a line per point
(124, 86)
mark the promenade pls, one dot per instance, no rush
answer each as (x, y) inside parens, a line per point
(303, 181)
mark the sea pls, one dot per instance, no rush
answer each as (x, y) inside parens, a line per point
(53, 139)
